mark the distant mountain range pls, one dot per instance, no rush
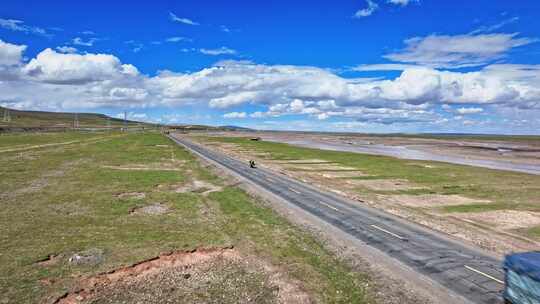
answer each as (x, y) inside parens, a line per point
(236, 128)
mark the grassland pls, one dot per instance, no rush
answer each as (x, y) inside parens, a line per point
(25, 140)
(505, 190)
(64, 200)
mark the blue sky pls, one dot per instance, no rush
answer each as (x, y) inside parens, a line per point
(366, 66)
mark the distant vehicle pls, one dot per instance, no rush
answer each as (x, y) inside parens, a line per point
(522, 278)
(255, 138)
(252, 164)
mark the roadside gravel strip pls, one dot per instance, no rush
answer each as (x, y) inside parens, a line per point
(467, 273)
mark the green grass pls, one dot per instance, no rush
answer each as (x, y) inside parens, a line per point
(534, 232)
(505, 189)
(20, 140)
(62, 200)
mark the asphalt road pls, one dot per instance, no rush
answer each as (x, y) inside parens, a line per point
(467, 272)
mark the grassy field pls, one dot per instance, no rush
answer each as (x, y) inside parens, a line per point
(506, 190)
(23, 140)
(80, 199)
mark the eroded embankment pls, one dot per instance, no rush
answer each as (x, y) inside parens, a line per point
(202, 275)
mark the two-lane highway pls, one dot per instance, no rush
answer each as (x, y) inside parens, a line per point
(465, 271)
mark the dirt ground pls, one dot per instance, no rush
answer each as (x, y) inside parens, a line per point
(420, 208)
(206, 275)
(383, 184)
(153, 209)
(197, 186)
(319, 167)
(428, 200)
(505, 219)
(342, 174)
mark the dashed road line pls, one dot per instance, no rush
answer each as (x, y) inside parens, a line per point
(269, 179)
(388, 232)
(484, 274)
(329, 206)
(295, 191)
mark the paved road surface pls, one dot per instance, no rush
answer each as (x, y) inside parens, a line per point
(463, 270)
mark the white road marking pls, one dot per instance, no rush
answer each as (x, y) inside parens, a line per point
(269, 179)
(329, 206)
(386, 231)
(295, 191)
(484, 274)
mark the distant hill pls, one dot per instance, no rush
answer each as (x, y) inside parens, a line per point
(30, 119)
(208, 128)
(42, 119)
(235, 128)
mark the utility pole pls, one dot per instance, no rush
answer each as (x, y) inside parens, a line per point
(76, 121)
(7, 115)
(108, 123)
(125, 121)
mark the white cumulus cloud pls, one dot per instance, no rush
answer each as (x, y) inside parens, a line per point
(235, 115)
(464, 111)
(11, 54)
(52, 67)
(66, 49)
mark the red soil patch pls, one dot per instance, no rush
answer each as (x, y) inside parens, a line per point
(186, 262)
(88, 286)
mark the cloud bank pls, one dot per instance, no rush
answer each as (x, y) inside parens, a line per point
(62, 80)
